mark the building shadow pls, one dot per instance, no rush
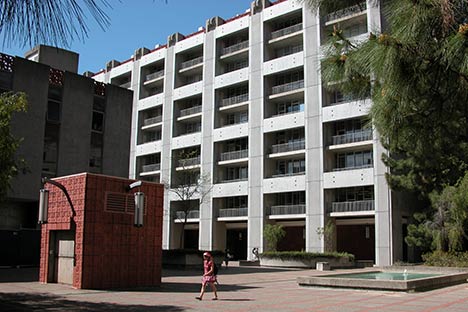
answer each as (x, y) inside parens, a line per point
(36, 302)
(19, 275)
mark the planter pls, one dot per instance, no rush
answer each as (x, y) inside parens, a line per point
(342, 262)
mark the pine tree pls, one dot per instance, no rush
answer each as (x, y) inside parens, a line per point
(416, 73)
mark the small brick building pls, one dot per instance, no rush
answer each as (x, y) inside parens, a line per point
(94, 244)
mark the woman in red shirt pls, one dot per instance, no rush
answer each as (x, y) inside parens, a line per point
(208, 276)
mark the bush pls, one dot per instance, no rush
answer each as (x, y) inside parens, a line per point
(301, 255)
(446, 259)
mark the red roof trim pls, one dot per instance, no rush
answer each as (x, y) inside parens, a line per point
(236, 17)
(99, 72)
(278, 1)
(158, 48)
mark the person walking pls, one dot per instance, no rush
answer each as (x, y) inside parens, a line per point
(209, 276)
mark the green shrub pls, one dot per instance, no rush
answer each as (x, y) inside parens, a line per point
(446, 259)
(301, 255)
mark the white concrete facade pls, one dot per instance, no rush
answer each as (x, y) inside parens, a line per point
(245, 94)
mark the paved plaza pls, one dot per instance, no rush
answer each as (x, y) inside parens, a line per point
(240, 289)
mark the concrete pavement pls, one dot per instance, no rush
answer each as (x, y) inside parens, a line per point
(240, 289)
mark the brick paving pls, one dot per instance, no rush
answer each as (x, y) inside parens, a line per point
(240, 289)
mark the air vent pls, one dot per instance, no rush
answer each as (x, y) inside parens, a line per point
(116, 202)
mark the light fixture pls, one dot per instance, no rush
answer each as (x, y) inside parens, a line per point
(139, 204)
(43, 206)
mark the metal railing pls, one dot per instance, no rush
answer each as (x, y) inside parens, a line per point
(287, 209)
(358, 8)
(235, 100)
(352, 206)
(190, 111)
(192, 214)
(152, 167)
(126, 85)
(191, 62)
(234, 155)
(357, 136)
(354, 167)
(286, 31)
(288, 147)
(189, 161)
(234, 180)
(288, 87)
(235, 47)
(288, 174)
(154, 75)
(152, 120)
(233, 212)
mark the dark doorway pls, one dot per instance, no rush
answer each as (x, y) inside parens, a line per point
(191, 239)
(293, 240)
(358, 240)
(236, 242)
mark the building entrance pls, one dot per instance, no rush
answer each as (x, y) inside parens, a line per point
(357, 239)
(236, 242)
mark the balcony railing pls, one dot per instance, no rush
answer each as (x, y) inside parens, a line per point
(358, 8)
(235, 47)
(287, 209)
(286, 31)
(154, 75)
(353, 206)
(192, 214)
(235, 100)
(192, 62)
(190, 111)
(288, 147)
(152, 120)
(152, 167)
(288, 87)
(358, 136)
(354, 167)
(234, 155)
(234, 180)
(233, 212)
(287, 174)
(189, 161)
(126, 85)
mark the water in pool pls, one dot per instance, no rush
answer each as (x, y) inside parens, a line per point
(396, 276)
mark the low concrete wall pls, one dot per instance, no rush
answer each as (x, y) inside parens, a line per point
(306, 263)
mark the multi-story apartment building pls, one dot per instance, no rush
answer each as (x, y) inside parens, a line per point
(244, 95)
(73, 124)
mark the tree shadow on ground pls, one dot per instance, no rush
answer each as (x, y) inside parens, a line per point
(182, 287)
(22, 302)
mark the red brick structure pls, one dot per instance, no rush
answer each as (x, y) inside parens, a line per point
(99, 247)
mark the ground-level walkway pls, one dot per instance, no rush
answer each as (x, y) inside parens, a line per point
(240, 289)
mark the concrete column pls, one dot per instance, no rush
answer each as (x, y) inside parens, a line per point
(256, 142)
(207, 216)
(134, 134)
(315, 211)
(166, 137)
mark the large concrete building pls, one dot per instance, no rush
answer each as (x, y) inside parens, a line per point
(73, 124)
(244, 96)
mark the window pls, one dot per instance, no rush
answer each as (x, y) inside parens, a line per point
(53, 111)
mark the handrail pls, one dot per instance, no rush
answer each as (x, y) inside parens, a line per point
(154, 75)
(286, 31)
(358, 8)
(290, 86)
(357, 136)
(190, 111)
(235, 100)
(234, 155)
(151, 167)
(287, 209)
(191, 62)
(352, 206)
(152, 120)
(233, 212)
(235, 47)
(288, 147)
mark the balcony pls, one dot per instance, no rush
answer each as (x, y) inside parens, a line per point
(192, 214)
(233, 212)
(234, 100)
(286, 31)
(151, 168)
(352, 206)
(190, 111)
(191, 63)
(357, 136)
(346, 12)
(234, 48)
(288, 147)
(287, 210)
(288, 174)
(291, 86)
(184, 163)
(234, 155)
(126, 85)
(152, 121)
(154, 76)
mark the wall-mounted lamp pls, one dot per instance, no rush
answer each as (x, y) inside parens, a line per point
(43, 206)
(44, 200)
(139, 203)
